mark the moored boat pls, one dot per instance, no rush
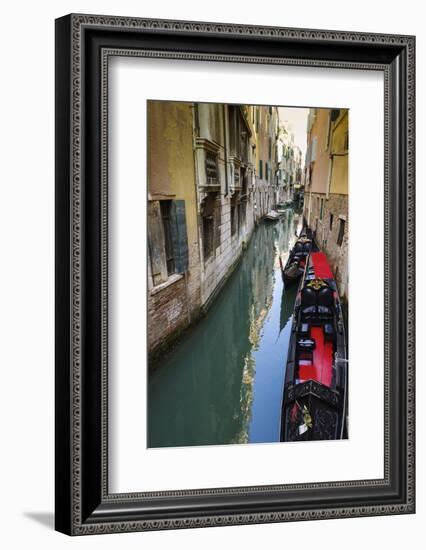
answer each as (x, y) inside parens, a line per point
(273, 216)
(315, 388)
(295, 265)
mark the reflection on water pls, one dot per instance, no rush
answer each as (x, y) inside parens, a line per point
(223, 383)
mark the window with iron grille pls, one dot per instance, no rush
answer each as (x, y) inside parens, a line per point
(212, 172)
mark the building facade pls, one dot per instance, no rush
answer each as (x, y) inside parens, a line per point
(265, 126)
(210, 179)
(326, 208)
(289, 172)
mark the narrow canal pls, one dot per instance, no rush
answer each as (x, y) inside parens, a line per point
(223, 382)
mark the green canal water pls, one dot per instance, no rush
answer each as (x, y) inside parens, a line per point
(223, 382)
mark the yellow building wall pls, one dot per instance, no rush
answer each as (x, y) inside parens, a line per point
(262, 140)
(340, 174)
(171, 170)
(321, 166)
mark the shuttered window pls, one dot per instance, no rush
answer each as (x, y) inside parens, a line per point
(179, 236)
(165, 207)
(156, 244)
(167, 239)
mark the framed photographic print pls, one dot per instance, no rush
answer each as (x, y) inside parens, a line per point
(234, 274)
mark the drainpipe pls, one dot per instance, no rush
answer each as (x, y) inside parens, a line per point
(225, 141)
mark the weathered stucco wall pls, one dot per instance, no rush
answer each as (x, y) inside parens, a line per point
(319, 130)
(210, 121)
(170, 147)
(339, 150)
(171, 175)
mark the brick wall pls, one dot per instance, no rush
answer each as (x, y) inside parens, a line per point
(167, 313)
(337, 255)
(174, 305)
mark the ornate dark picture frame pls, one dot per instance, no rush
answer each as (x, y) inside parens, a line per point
(83, 45)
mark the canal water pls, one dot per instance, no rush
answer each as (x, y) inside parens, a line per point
(223, 383)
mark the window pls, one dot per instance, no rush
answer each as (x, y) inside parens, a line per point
(321, 208)
(332, 117)
(244, 183)
(165, 208)
(209, 214)
(260, 169)
(238, 134)
(235, 214)
(331, 222)
(167, 236)
(242, 213)
(341, 232)
(232, 219)
(208, 228)
(212, 173)
(237, 181)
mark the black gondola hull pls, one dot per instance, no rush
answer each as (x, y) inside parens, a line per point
(314, 405)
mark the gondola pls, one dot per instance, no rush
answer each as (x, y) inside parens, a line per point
(295, 265)
(273, 216)
(315, 389)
